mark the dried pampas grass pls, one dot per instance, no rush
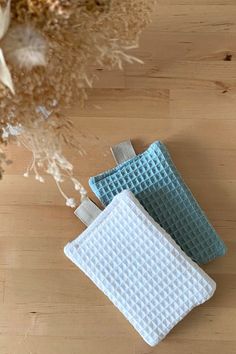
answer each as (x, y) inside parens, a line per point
(49, 50)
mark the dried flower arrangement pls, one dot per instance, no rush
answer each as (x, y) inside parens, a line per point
(47, 48)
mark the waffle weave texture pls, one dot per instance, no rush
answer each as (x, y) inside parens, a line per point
(140, 268)
(155, 181)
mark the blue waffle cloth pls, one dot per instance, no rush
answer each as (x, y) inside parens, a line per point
(157, 184)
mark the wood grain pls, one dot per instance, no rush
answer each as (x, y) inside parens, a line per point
(185, 95)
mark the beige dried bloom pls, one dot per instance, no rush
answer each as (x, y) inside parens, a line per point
(25, 47)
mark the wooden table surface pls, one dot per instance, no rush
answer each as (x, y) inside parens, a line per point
(185, 95)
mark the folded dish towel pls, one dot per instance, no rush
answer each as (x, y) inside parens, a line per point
(155, 181)
(140, 268)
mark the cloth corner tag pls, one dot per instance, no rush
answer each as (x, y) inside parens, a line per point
(123, 151)
(87, 211)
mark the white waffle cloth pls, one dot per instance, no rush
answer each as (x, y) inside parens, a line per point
(140, 268)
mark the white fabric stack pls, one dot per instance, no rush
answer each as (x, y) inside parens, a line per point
(140, 268)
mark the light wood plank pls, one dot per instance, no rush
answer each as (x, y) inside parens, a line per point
(51, 286)
(196, 18)
(204, 322)
(61, 345)
(193, 160)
